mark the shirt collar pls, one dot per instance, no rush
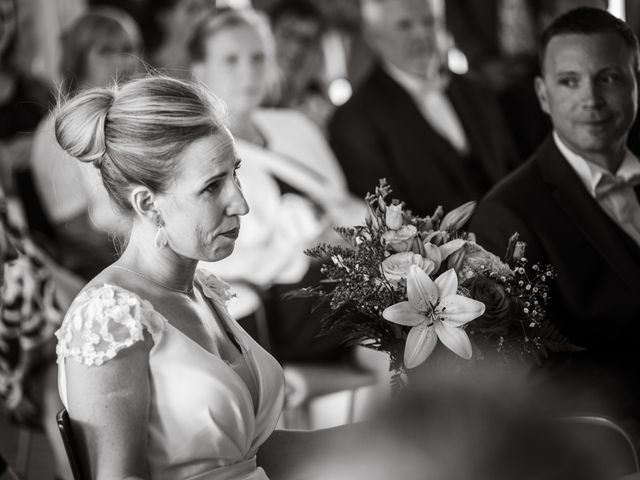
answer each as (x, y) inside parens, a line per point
(590, 173)
(413, 84)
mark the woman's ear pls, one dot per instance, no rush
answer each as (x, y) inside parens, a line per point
(143, 202)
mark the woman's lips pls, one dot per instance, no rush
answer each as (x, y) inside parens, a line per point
(233, 233)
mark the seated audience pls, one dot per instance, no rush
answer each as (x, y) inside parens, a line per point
(34, 294)
(575, 203)
(294, 186)
(438, 138)
(298, 28)
(99, 47)
(167, 27)
(24, 100)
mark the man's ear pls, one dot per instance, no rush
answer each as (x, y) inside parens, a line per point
(541, 92)
(143, 202)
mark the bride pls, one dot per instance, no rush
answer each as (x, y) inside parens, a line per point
(159, 381)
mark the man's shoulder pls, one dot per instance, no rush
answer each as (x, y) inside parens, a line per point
(522, 186)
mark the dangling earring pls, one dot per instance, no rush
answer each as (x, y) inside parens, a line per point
(161, 240)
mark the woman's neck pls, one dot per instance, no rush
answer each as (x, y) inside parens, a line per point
(161, 266)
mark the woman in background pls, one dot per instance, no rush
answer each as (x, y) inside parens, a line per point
(100, 47)
(295, 187)
(167, 26)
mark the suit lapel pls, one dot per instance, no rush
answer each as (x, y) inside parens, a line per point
(585, 213)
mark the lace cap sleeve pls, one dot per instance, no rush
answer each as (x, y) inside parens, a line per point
(104, 320)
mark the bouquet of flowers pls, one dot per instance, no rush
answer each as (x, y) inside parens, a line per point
(400, 283)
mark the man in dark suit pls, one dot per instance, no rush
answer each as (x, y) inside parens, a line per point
(438, 138)
(575, 203)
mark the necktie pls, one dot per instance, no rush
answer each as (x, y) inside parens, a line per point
(617, 192)
(610, 183)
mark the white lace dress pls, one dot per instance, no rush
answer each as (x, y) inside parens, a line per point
(204, 422)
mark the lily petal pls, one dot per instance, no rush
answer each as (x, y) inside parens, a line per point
(450, 247)
(422, 292)
(420, 343)
(456, 310)
(447, 283)
(455, 339)
(432, 252)
(403, 314)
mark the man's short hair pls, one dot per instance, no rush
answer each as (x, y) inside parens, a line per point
(303, 9)
(588, 21)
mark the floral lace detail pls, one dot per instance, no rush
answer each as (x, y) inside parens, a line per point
(214, 287)
(104, 320)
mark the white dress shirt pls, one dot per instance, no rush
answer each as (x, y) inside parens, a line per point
(433, 103)
(620, 203)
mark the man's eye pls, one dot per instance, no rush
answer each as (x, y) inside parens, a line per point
(568, 82)
(611, 78)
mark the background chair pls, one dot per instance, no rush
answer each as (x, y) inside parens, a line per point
(64, 425)
(605, 438)
(5, 469)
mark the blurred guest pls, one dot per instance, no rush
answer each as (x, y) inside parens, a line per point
(298, 27)
(479, 426)
(34, 293)
(498, 37)
(575, 202)
(437, 137)
(24, 100)
(101, 46)
(294, 186)
(167, 26)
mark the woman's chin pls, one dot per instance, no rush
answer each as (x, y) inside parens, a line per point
(218, 252)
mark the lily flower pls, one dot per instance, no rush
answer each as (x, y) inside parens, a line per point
(435, 311)
(456, 218)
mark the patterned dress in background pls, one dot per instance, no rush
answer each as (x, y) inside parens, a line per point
(29, 311)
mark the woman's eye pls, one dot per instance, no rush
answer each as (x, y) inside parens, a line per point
(231, 60)
(212, 187)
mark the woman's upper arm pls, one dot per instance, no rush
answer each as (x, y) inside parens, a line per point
(104, 345)
(109, 406)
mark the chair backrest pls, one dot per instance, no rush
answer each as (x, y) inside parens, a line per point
(608, 440)
(64, 425)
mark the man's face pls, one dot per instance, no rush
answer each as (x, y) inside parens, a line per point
(589, 89)
(406, 34)
(295, 37)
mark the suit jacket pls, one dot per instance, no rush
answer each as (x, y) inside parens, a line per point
(380, 132)
(596, 295)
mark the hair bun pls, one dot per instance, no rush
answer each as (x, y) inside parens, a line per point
(80, 125)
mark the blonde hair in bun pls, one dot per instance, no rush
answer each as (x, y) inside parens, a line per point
(80, 125)
(135, 133)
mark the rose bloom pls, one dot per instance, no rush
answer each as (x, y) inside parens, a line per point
(393, 217)
(396, 266)
(472, 260)
(400, 240)
(498, 305)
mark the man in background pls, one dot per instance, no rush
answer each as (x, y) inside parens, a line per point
(437, 137)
